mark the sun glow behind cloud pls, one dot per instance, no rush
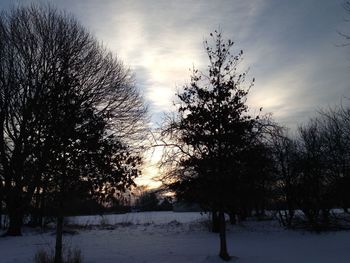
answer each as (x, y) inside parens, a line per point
(150, 170)
(289, 59)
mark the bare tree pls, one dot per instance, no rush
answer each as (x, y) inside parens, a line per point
(312, 169)
(346, 36)
(336, 128)
(284, 152)
(51, 68)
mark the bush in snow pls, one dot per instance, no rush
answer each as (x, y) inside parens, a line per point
(72, 256)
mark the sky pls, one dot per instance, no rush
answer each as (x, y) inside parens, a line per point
(291, 48)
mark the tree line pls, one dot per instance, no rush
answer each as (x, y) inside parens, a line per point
(313, 168)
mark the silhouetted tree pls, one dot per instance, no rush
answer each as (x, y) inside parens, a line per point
(19, 125)
(210, 132)
(148, 201)
(312, 169)
(166, 204)
(256, 181)
(284, 154)
(68, 111)
(335, 125)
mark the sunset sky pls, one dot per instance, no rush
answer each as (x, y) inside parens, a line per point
(292, 48)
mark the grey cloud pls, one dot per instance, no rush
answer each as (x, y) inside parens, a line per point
(289, 46)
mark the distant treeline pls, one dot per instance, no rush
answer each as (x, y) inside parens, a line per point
(283, 173)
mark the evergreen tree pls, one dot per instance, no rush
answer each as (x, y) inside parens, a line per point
(210, 133)
(148, 201)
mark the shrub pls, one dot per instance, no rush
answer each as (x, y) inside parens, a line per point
(72, 256)
(42, 256)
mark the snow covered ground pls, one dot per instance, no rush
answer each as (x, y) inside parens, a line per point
(138, 218)
(181, 237)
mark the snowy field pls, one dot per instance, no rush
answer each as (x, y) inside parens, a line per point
(139, 218)
(180, 237)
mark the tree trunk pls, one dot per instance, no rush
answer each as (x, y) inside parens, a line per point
(59, 234)
(223, 246)
(242, 215)
(215, 223)
(0, 214)
(290, 217)
(60, 217)
(233, 220)
(42, 209)
(325, 217)
(15, 222)
(290, 208)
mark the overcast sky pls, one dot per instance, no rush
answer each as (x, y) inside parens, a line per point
(291, 47)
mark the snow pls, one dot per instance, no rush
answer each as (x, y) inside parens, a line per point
(181, 237)
(138, 218)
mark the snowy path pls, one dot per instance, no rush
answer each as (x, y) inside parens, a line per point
(167, 241)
